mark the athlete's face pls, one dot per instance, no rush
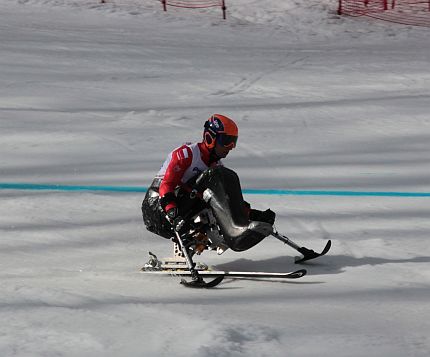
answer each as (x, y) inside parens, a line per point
(222, 151)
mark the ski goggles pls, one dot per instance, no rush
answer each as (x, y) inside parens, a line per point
(228, 141)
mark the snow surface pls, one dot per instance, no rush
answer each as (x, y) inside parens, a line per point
(99, 94)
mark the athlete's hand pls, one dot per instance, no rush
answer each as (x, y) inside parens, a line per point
(175, 219)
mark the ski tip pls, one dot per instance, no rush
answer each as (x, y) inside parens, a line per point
(298, 273)
(310, 254)
(326, 248)
(201, 284)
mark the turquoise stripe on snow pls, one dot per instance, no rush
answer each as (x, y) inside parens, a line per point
(54, 187)
(335, 193)
(249, 191)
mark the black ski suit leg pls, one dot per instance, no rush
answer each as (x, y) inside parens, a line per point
(227, 203)
(153, 215)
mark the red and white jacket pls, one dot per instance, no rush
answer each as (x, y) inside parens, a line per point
(181, 165)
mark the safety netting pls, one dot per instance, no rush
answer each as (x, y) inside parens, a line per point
(195, 4)
(407, 12)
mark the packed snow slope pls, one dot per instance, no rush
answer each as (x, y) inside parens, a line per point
(95, 94)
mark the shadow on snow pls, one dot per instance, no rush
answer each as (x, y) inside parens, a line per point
(330, 264)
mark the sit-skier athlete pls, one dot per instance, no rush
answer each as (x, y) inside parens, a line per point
(192, 179)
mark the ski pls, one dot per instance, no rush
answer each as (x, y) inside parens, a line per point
(233, 274)
(178, 267)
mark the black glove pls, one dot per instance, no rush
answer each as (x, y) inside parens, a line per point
(175, 219)
(267, 216)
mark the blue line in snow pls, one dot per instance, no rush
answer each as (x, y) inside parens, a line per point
(54, 187)
(250, 191)
(336, 193)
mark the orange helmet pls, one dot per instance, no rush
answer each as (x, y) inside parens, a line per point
(222, 130)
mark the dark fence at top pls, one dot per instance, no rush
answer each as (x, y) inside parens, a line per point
(196, 4)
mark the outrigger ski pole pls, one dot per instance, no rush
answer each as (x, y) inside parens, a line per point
(197, 281)
(308, 254)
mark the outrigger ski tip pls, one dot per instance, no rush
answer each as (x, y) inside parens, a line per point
(309, 254)
(200, 283)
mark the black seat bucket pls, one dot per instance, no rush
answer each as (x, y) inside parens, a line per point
(221, 190)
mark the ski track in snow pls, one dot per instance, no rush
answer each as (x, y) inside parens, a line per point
(96, 94)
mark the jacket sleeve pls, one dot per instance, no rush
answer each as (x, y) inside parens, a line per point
(181, 160)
